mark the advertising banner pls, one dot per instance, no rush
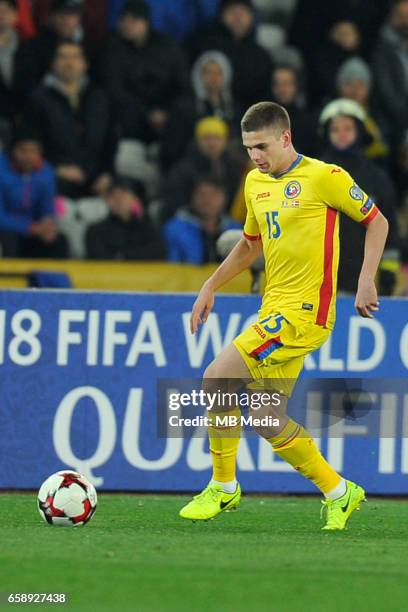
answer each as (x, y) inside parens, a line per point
(82, 375)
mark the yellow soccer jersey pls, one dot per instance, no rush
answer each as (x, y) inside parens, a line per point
(296, 214)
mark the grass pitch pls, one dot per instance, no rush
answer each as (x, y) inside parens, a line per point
(136, 554)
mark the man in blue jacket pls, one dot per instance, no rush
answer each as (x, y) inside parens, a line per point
(27, 192)
(191, 235)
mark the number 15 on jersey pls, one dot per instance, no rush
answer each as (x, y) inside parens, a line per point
(274, 229)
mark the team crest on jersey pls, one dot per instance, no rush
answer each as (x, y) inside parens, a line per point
(356, 193)
(293, 189)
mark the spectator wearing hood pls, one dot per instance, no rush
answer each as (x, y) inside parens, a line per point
(191, 236)
(27, 193)
(144, 71)
(354, 81)
(391, 69)
(126, 234)
(234, 35)
(342, 125)
(74, 120)
(64, 24)
(212, 96)
(209, 155)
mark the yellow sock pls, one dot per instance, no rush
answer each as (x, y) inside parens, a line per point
(224, 442)
(295, 446)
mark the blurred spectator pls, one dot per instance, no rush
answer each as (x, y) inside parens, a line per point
(25, 22)
(10, 62)
(64, 24)
(191, 236)
(177, 18)
(287, 91)
(27, 192)
(234, 35)
(391, 69)
(313, 18)
(354, 81)
(212, 80)
(279, 11)
(74, 119)
(208, 155)
(126, 234)
(144, 71)
(344, 134)
(343, 42)
(94, 20)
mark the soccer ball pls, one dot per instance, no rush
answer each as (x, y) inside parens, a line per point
(67, 499)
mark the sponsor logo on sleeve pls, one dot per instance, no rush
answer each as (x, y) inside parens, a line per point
(367, 207)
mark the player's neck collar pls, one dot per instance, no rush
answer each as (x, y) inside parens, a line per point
(291, 167)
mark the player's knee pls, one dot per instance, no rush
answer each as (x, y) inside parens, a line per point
(268, 422)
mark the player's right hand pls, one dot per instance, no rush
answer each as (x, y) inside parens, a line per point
(202, 308)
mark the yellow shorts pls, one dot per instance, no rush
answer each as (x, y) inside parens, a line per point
(275, 349)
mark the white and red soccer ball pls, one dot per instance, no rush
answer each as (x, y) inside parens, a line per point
(67, 499)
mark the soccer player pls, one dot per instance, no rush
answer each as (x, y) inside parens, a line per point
(293, 205)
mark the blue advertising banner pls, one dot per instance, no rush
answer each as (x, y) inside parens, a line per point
(79, 390)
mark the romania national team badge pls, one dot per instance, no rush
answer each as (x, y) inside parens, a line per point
(356, 193)
(293, 189)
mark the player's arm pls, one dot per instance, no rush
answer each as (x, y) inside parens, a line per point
(339, 191)
(376, 235)
(242, 256)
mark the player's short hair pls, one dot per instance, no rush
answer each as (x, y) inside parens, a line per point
(264, 115)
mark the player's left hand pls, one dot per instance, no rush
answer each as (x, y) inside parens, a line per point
(202, 308)
(367, 299)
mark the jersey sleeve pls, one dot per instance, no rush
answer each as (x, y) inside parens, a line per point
(338, 190)
(251, 227)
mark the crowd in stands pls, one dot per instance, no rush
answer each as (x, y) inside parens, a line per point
(120, 119)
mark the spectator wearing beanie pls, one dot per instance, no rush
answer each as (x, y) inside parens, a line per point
(209, 155)
(354, 81)
(144, 71)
